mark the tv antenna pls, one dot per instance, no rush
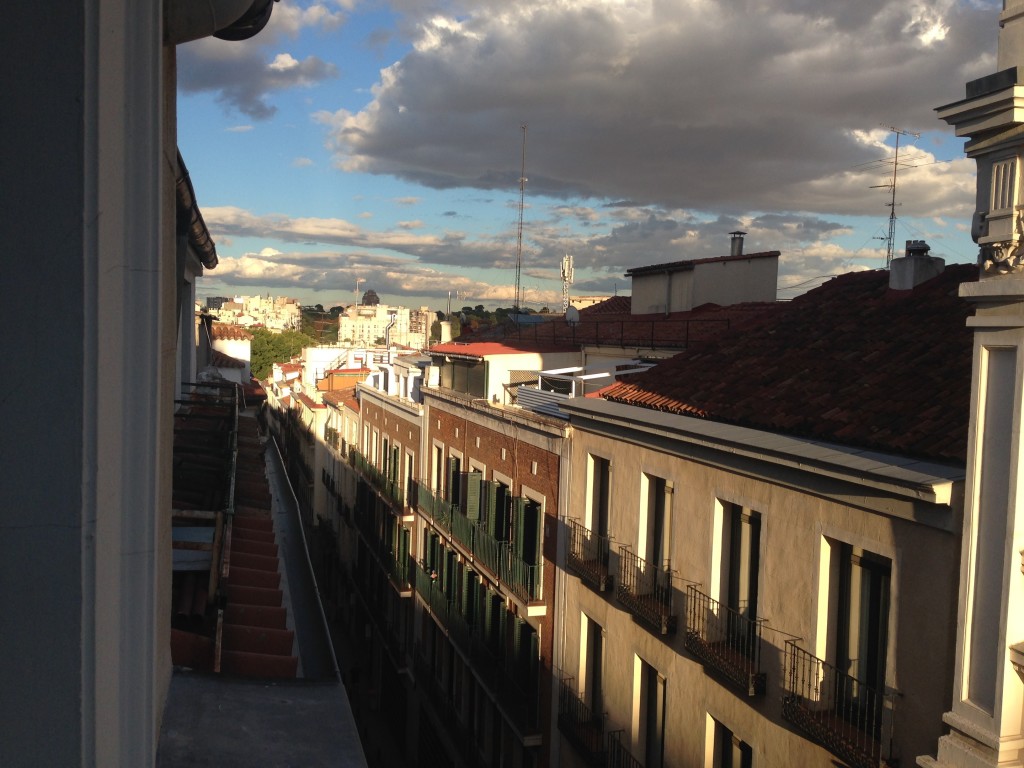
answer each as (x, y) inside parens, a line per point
(519, 236)
(890, 238)
(567, 275)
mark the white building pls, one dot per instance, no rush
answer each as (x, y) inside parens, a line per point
(375, 324)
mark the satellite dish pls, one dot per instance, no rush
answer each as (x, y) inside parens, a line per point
(572, 315)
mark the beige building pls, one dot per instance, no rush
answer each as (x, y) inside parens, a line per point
(758, 541)
(377, 324)
(985, 717)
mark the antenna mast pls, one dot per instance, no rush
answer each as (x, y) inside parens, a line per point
(567, 275)
(519, 237)
(892, 203)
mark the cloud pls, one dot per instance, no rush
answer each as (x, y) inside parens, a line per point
(239, 129)
(244, 76)
(724, 108)
(302, 162)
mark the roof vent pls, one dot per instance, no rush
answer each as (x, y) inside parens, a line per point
(736, 248)
(915, 267)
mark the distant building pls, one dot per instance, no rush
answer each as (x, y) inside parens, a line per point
(273, 313)
(376, 324)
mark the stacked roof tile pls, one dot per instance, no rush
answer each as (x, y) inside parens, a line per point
(851, 362)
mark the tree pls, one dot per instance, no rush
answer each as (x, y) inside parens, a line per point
(269, 348)
(370, 298)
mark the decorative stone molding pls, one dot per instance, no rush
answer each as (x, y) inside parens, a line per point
(1006, 256)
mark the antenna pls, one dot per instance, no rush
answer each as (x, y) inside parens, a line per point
(892, 203)
(358, 281)
(519, 237)
(567, 275)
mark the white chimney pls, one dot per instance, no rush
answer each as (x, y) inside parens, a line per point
(736, 246)
(914, 268)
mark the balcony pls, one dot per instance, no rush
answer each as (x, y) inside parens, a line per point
(435, 508)
(618, 755)
(588, 556)
(646, 591)
(581, 727)
(493, 665)
(725, 641)
(495, 555)
(842, 713)
(390, 488)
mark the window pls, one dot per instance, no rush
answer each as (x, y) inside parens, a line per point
(1004, 175)
(454, 485)
(498, 509)
(725, 749)
(438, 474)
(655, 521)
(598, 482)
(741, 546)
(862, 623)
(592, 664)
(648, 713)
(526, 525)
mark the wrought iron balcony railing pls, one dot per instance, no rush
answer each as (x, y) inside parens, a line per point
(588, 556)
(848, 717)
(646, 591)
(725, 640)
(437, 509)
(389, 488)
(619, 755)
(581, 727)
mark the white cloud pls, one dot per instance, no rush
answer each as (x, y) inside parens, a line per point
(746, 105)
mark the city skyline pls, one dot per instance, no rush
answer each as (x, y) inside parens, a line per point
(354, 146)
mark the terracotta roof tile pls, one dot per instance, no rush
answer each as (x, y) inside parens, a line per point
(616, 305)
(220, 360)
(849, 362)
(229, 332)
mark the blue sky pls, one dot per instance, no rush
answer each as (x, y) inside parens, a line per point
(380, 144)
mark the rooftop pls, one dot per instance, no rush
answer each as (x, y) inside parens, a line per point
(682, 266)
(852, 362)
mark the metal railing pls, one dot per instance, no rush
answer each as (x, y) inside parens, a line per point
(725, 639)
(589, 554)
(581, 727)
(391, 489)
(646, 591)
(437, 509)
(618, 755)
(847, 716)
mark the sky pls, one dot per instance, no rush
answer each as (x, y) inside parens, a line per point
(359, 145)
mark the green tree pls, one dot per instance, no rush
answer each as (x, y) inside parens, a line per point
(269, 348)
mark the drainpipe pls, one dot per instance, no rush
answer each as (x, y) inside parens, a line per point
(186, 20)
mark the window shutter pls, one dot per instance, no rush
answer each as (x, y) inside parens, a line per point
(453, 479)
(519, 525)
(474, 481)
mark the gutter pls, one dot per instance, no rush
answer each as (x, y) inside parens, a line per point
(190, 220)
(187, 20)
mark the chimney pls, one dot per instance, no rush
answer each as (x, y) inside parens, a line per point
(736, 248)
(915, 267)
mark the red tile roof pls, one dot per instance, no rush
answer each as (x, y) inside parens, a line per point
(849, 362)
(616, 305)
(483, 349)
(308, 401)
(227, 331)
(677, 330)
(345, 397)
(220, 360)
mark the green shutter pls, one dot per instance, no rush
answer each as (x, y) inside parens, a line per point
(490, 504)
(519, 525)
(474, 481)
(453, 479)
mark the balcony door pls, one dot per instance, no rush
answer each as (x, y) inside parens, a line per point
(863, 629)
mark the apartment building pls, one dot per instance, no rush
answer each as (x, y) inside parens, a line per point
(763, 536)
(985, 715)
(375, 324)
